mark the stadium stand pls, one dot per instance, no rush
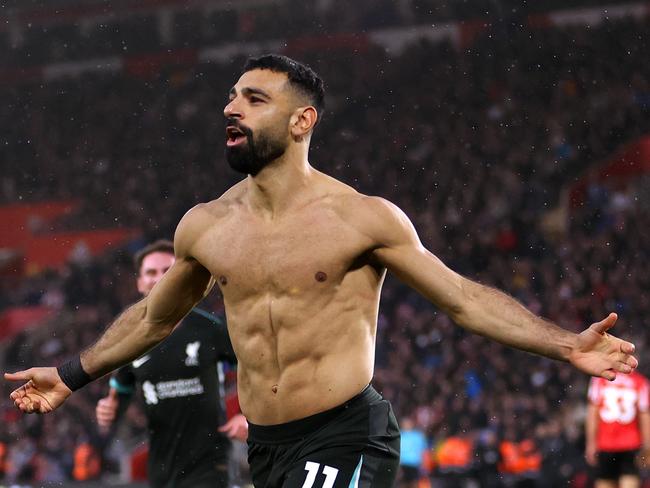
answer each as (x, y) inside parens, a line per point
(518, 146)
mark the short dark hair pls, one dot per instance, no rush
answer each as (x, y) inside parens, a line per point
(161, 245)
(301, 76)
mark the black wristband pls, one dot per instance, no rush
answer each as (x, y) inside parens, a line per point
(73, 374)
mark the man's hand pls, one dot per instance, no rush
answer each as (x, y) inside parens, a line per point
(106, 411)
(236, 428)
(43, 391)
(600, 354)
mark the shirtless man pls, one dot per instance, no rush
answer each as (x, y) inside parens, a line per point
(300, 259)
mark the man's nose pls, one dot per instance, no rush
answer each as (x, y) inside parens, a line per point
(232, 110)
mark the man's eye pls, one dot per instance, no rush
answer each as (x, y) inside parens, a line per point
(256, 100)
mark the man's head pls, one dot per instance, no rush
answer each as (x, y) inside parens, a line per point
(152, 262)
(275, 103)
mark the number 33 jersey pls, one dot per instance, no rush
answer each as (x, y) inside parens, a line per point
(619, 403)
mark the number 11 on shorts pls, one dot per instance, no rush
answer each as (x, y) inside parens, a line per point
(312, 470)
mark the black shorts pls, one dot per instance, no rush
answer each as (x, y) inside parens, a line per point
(217, 478)
(354, 444)
(613, 465)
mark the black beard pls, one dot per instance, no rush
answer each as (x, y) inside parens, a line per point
(256, 154)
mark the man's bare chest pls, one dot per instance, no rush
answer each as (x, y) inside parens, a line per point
(292, 256)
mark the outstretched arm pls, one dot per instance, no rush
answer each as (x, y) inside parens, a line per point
(487, 311)
(149, 321)
(138, 329)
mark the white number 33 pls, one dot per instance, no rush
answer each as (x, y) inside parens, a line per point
(312, 471)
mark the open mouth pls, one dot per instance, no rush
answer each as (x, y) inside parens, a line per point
(234, 136)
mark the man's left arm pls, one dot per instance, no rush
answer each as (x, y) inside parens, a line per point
(484, 310)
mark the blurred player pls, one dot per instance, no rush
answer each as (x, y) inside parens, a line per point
(300, 259)
(180, 385)
(617, 427)
(413, 446)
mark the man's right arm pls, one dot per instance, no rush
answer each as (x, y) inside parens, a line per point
(138, 329)
(148, 322)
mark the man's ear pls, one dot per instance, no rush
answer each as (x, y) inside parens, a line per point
(303, 121)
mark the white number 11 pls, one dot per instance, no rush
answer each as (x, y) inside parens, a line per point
(312, 470)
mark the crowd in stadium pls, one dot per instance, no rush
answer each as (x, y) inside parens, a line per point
(476, 146)
(44, 40)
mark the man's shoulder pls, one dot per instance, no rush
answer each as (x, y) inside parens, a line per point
(203, 215)
(232, 196)
(219, 207)
(347, 201)
(369, 214)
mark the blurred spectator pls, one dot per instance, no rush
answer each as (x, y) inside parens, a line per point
(487, 458)
(413, 446)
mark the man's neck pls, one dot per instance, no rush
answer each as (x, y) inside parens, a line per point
(279, 185)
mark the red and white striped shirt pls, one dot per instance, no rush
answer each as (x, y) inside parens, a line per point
(619, 403)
